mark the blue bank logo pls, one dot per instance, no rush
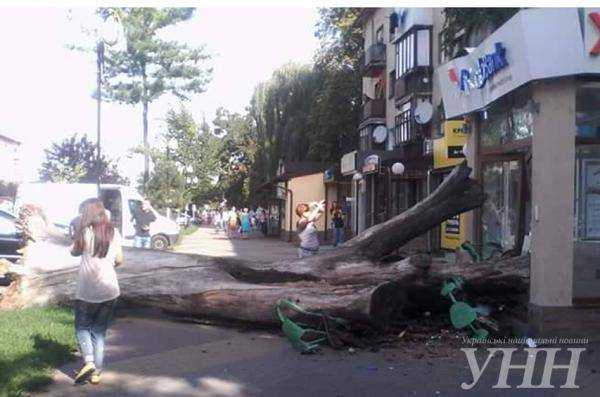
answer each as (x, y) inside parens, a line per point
(485, 67)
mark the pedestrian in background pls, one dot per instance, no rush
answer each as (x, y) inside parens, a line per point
(142, 218)
(262, 220)
(99, 245)
(225, 220)
(233, 222)
(337, 221)
(245, 223)
(307, 230)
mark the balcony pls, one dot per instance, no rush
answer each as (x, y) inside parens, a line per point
(417, 82)
(373, 109)
(374, 60)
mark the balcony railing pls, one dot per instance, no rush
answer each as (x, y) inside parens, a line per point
(374, 108)
(374, 59)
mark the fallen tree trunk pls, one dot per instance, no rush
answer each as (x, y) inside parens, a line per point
(350, 281)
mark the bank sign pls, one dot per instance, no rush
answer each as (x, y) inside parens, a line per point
(534, 44)
(485, 67)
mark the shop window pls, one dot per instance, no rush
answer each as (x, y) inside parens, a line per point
(413, 50)
(587, 109)
(588, 192)
(500, 211)
(495, 129)
(509, 119)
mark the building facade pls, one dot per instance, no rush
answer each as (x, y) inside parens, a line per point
(10, 156)
(389, 168)
(306, 182)
(521, 103)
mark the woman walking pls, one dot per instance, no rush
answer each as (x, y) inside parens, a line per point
(234, 222)
(99, 245)
(245, 221)
(307, 231)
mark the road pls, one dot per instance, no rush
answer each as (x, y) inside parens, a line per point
(151, 355)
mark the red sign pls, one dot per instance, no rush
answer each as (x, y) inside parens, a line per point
(595, 17)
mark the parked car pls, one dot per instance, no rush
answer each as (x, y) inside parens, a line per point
(11, 238)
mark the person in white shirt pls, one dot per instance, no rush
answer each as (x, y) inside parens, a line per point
(98, 244)
(307, 231)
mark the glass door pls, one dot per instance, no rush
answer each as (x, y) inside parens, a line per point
(500, 211)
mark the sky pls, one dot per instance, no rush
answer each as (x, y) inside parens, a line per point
(45, 94)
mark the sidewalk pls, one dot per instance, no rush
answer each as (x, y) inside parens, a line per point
(151, 357)
(209, 241)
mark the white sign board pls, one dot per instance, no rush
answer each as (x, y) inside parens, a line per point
(348, 163)
(534, 44)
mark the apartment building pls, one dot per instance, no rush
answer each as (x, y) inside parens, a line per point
(521, 103)
(389, 168)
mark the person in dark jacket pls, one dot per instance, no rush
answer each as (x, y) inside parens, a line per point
(142, 218)
(337, 220)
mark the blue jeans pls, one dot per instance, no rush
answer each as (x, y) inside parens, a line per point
(142, 242)
(338, 236)
(91, 322)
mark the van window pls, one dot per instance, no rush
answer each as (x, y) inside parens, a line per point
(112, 202)
(135, 206)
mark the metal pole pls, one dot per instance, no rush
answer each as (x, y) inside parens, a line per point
(99, 61)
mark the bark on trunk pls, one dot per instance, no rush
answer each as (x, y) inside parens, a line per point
(349, 281)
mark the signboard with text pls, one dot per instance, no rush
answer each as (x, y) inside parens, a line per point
(453, 232)
(535, 44)
(348, 163)
(448, 150)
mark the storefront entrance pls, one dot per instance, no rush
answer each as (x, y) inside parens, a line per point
(506, 211)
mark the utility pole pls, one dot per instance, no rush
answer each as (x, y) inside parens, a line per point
(100, 63)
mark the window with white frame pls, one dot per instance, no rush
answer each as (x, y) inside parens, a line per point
(413, 50)
(403, 130)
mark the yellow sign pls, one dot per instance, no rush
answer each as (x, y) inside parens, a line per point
(453, 232)
(448, 150)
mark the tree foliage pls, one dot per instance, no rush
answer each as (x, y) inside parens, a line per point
(311, 113)
(195, 150)
(166, 187)
(150, 66)
(74, 160)
(467, 21)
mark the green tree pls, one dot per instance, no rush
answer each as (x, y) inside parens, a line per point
(467, 21)
(74, 160)
(237, 150)
(336, 110)
(166, 187)
(311, 113)
(195, 149)
(279, 110)
(150, 66)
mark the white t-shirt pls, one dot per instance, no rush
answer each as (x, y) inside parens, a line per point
(97, 280)
(309, 237)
